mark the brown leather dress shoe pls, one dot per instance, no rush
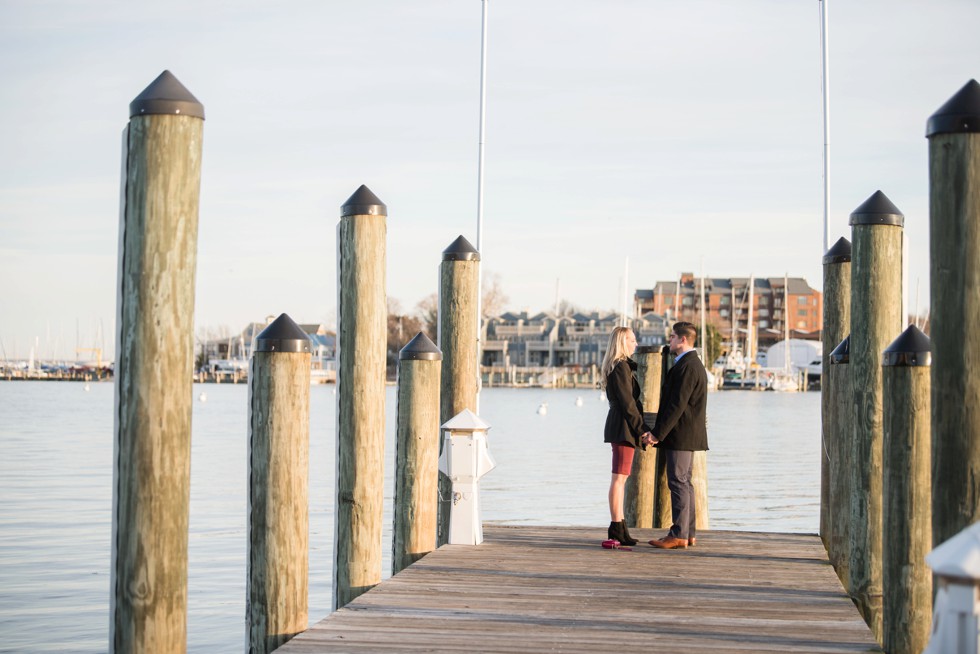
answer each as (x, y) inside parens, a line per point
(691, 542)
(669, 543)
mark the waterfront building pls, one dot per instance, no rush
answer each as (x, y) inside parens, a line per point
(727, 306)
(551, 340)
(227, 356)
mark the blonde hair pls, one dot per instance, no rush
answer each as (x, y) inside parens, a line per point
(615, 352)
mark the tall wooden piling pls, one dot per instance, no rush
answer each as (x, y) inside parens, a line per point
(876, 316)
(954, 245)
(661, 494)
(459, 284)
(662, 515)
(154, 369)
(639, 494)
(362, 346)
(278, 486)
(417, 453)
(836, 326)
(906, 505)
(839, 416)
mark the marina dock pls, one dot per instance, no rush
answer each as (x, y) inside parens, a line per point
(533, 589)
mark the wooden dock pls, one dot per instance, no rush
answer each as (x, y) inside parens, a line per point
(536, 589)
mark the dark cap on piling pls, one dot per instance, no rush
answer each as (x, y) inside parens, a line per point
(912, 348)
(282, 335)
(647, 349)
(363, 203)
(842, 353)
(460, 250)
(420, 348)
(839, 253)
(877, 210)
(166, 95)
(961, 113)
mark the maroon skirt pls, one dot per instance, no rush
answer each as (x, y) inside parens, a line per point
(622, 462)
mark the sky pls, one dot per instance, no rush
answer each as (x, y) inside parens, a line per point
(623, 137)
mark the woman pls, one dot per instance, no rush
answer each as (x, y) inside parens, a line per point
(625, 428)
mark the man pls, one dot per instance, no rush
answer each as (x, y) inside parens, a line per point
(680, 431)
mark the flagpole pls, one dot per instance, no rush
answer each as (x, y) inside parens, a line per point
(825, 89)
(479, 200)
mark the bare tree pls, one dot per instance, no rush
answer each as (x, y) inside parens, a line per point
(494, 298)
(427, 311)
(401, 329)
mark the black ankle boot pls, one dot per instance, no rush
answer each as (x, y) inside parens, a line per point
(627, 539)
(616, 532)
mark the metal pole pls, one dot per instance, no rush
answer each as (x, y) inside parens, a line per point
(479, 197)
(626, 283)
(825, 89)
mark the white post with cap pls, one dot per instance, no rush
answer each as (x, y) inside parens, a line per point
(956, 616)
(465, 459)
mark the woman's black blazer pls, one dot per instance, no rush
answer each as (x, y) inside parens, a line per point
(624, 422)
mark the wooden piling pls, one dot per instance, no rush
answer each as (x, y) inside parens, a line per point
(417, 453)
(662, 518)
(154, 369)
(839, 416)
(459, 283)
(362, 345)
(876, 316)
(662, 515)
(954, 244)
(639, 494)
(278, 486)
(906, 580)
(836, 326)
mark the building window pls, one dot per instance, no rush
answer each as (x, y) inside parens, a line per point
(725, 300)
(802, 312)
(763, 324)
(801, 324)
(687, 301)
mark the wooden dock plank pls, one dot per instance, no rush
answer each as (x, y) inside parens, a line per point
(554, 589)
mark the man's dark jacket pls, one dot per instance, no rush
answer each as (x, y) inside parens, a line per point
(683, 402)
(624, 422)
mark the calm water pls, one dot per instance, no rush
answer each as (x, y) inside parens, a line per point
(56, 493)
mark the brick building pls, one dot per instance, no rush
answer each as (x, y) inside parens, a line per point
(727, 305)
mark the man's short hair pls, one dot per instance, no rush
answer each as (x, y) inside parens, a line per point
(686, 330)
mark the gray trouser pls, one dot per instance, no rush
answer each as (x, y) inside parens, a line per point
(682, 504)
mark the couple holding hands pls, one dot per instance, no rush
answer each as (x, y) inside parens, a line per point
(678, 431)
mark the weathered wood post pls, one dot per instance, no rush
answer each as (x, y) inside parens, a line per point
(954, 245)
(638, 500)
(699, 475)
(699, 478)
(361, 353)
(661, 494)
(836, 325)
(154, 368)
(417, 453)
(278, 486)
(459, 283)
(839, 417)
(906, 580)
(876, 316)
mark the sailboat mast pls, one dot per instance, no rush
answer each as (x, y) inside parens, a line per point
(749, 350)
(786, 317)
(704, 340)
